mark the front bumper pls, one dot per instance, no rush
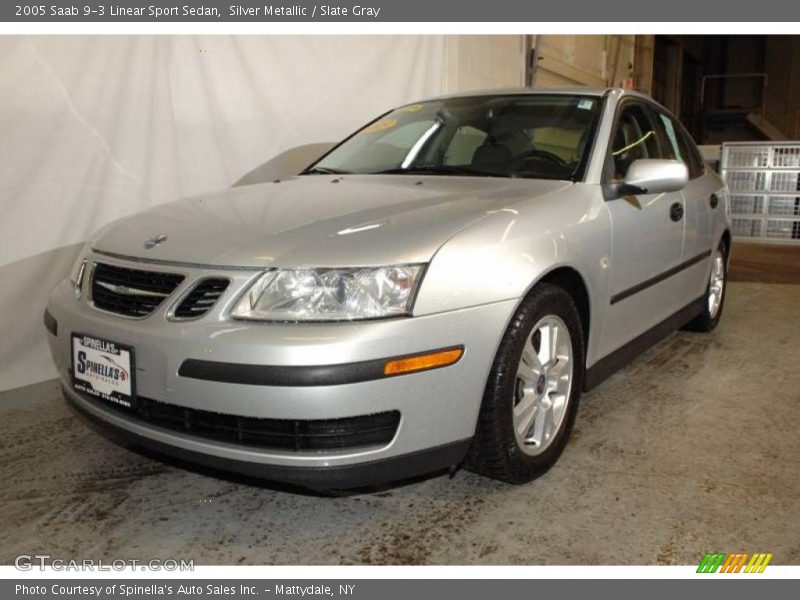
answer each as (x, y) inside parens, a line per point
(438, 408)
(347, 476)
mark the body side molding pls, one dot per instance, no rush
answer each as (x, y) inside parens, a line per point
(611, 363)
(640, 287)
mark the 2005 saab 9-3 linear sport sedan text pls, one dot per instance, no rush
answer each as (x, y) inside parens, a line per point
(437, 290)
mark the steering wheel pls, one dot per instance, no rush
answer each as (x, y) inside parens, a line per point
(554, 159)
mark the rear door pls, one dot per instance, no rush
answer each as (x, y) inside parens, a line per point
(647, 233)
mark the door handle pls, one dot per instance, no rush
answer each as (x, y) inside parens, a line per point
(713, 200)
(676, 211)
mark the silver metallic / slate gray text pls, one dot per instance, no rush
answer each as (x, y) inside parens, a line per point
(321, 10)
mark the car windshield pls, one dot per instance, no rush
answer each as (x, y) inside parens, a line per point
(542, 136)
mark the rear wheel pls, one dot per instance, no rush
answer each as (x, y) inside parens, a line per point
(715, 293)
(532, 393)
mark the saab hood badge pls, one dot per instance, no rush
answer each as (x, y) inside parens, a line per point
(154, 241)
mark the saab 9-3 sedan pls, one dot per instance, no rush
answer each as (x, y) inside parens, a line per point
(437, 290)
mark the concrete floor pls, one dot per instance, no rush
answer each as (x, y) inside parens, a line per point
(693, 447)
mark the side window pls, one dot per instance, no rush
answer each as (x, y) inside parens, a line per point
(634, 138)
(669, 138)
(694, 160)
(678, 144)
(463, 145)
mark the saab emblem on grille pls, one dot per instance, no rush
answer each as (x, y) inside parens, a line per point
(155, 241)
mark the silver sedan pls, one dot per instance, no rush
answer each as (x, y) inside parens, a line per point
(437, 290)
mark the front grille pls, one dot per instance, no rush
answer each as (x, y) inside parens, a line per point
(277, 434)
(202, 297)
(131, 292)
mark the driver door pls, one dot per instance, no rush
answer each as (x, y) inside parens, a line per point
(647, 232)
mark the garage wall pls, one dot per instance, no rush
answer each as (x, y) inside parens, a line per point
(782, 65)
(484, 62)
(95, 128)
(591, 60)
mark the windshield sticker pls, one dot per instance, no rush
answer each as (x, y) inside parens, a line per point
(411, 108)
(585, 104)
(380, 125)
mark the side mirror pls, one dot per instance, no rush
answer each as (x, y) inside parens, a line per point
(285, 164)
(653, 176)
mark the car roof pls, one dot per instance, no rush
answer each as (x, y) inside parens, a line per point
(583, 91)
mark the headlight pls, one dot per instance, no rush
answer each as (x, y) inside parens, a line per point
(330, 294)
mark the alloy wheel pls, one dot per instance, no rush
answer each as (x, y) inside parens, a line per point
(543, 385)
(716, 284)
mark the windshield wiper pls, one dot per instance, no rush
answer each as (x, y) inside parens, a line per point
(440, 170)
(325, 171)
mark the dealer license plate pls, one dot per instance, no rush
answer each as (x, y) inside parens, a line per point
(104, 369)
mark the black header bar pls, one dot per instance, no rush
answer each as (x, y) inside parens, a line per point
(463, 11)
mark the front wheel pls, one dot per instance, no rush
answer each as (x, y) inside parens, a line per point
(532, 393)
(715, 293)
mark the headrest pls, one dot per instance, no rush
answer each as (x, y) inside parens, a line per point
(491, 155)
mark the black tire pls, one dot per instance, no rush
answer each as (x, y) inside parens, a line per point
(495, 451)
(703, 322)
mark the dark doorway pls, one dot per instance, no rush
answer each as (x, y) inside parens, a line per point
(718, 85)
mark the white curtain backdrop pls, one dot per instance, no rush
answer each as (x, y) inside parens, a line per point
(95, 128)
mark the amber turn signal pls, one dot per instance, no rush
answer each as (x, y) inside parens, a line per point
(423, 362)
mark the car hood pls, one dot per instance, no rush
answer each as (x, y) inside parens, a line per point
(318, 220)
